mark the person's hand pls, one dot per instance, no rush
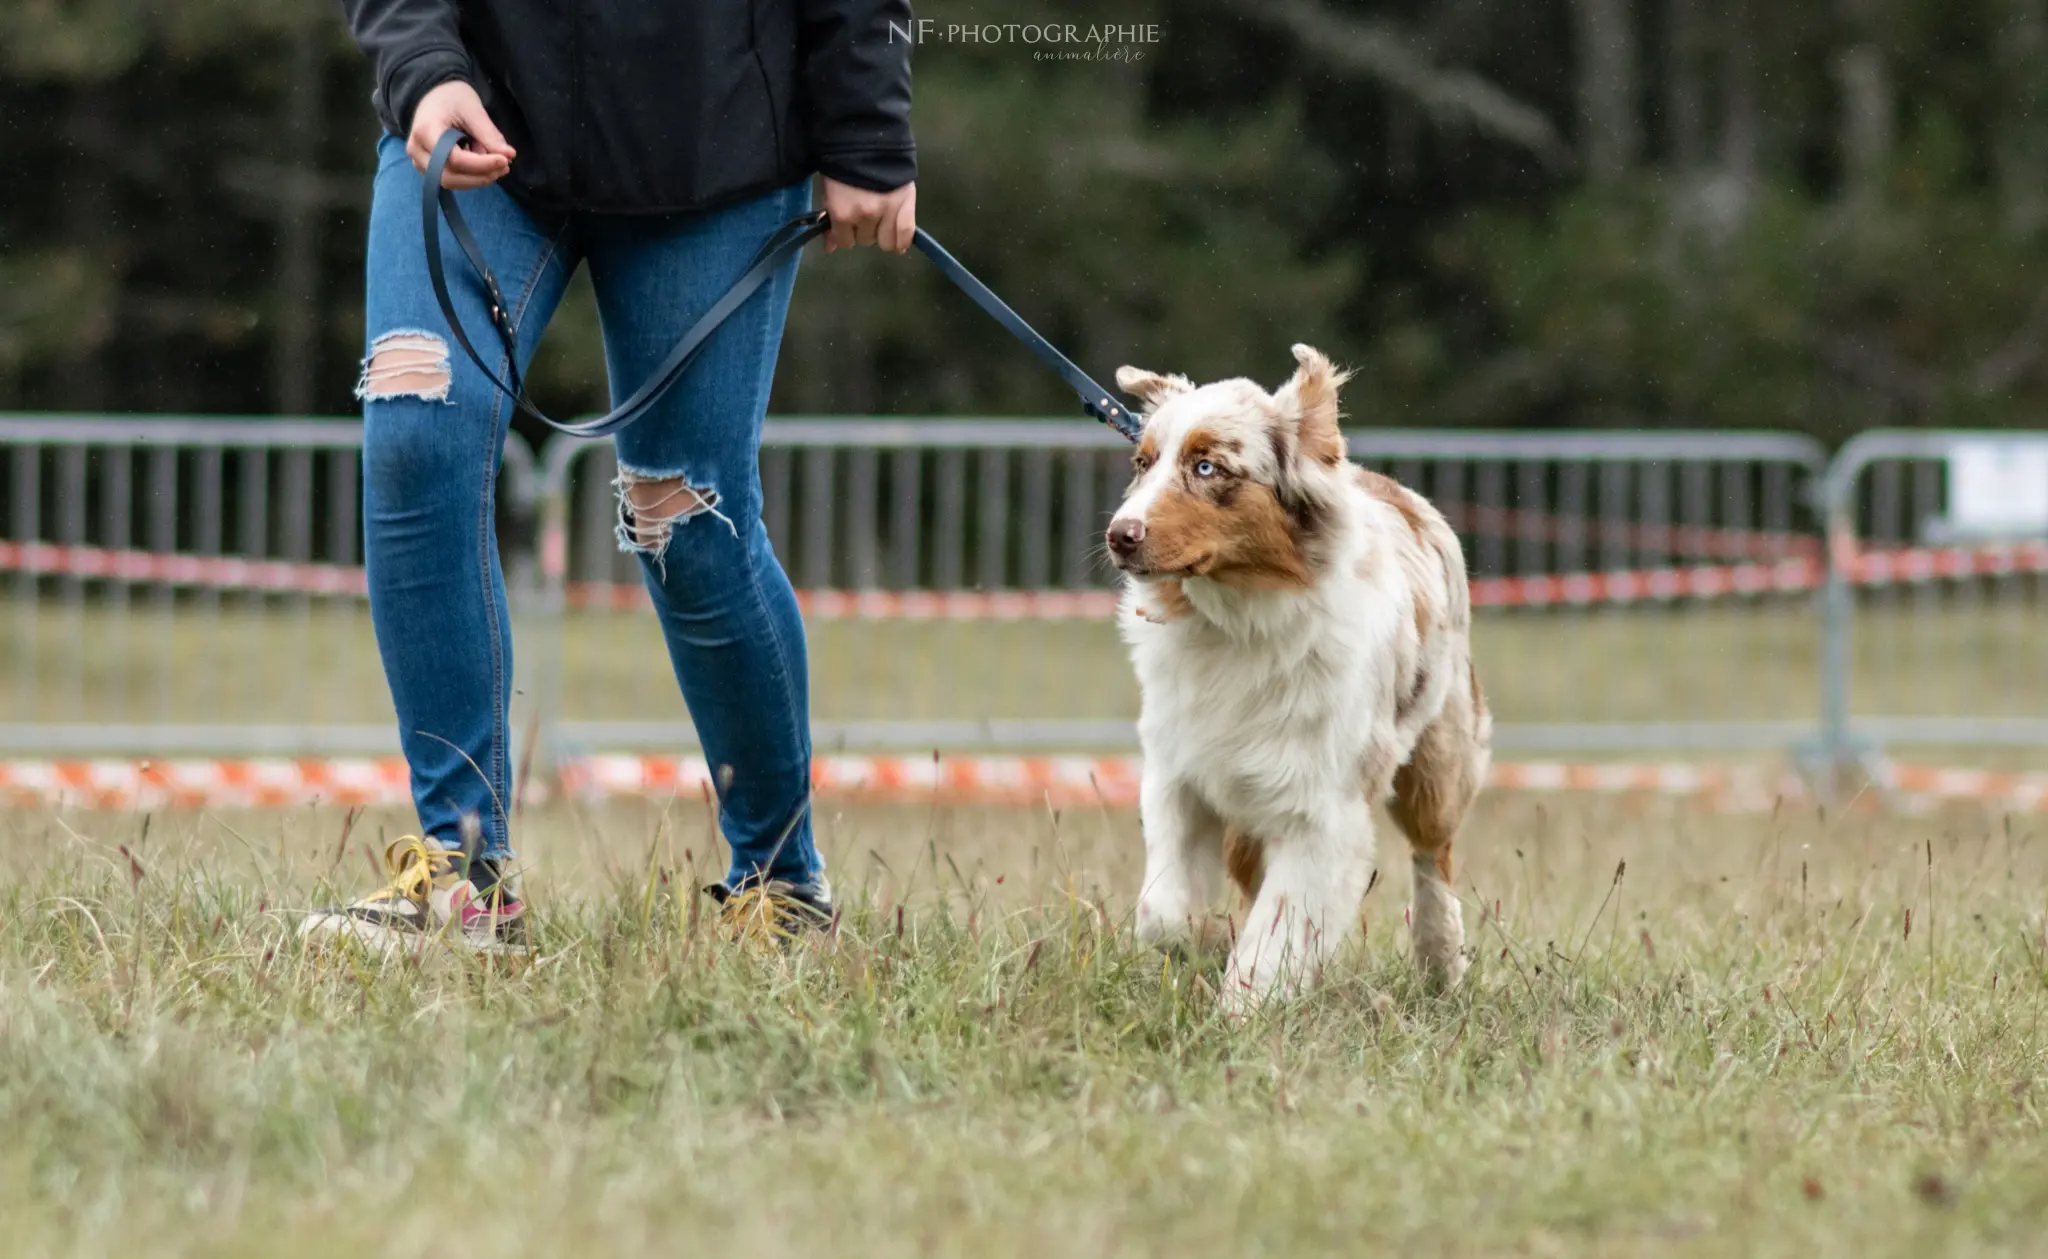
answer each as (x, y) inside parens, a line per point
(483, 160)
(860, 217)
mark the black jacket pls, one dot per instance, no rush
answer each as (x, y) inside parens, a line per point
(654, 106)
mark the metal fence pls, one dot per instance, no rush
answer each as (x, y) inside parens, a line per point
(1004, 517)
(1651, 653)
(176, 584)
(195, 585)
(1937, 588)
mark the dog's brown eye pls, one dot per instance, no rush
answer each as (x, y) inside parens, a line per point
(1139, 463)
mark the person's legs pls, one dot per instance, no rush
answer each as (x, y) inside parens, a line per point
(690, 508)
(433, 432)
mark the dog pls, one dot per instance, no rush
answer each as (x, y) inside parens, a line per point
(1301, 632)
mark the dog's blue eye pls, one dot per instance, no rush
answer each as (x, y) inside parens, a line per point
(1205, 468)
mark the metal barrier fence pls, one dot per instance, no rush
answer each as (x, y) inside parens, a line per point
(1606, 565)
(191, 585)
(1937, 585)
(176, 584)
(866, 515)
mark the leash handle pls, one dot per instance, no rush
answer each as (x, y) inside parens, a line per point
(437, 203)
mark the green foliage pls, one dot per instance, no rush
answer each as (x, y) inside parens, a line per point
(46, 300)
(1396, 182)
(1724, 306)
(1123, 240)
(89, 41)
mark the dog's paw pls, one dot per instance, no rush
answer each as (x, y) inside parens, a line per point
(1238, 999)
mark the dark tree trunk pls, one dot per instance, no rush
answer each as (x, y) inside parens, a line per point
(1738, 88)
(1610, 130)
(1684, 94)
(2021, 145)
(92, 224)
(1865, 82)
(295, 305)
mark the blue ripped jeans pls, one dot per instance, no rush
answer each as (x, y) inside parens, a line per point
(434, 430)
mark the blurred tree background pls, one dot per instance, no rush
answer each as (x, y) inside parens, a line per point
(1817, 214)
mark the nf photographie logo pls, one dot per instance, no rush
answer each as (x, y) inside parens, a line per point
(1048, 41)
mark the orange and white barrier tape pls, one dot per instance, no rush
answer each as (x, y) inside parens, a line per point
(1704, 582)
(994, 780)
(1924, 785)
(1905, 565)
(1699, 541)
(1090, 780)
(1866, 568)
(219, 572)
(1113, 780)
(966, 779)
(898, 605)
(262, 783)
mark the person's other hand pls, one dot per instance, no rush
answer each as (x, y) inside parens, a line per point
(484, 160)
(860, 217)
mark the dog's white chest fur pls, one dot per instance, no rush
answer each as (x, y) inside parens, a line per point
(1268, 703)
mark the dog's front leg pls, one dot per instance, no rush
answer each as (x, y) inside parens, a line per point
(1183, 865)
(1316, 876)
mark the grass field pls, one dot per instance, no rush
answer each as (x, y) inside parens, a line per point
(244, 662)
(1789, 1035)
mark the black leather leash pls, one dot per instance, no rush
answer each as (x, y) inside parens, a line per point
(782, 245)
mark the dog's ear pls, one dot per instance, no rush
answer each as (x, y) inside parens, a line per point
(1310, 399)
(1150, 387)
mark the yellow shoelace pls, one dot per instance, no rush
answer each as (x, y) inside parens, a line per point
(413, 864)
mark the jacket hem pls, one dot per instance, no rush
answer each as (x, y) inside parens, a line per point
(724, 200)
(869, 167)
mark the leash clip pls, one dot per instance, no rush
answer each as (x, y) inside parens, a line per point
(1115, 416)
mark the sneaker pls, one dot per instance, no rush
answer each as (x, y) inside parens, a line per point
(428, 898)
(773, 909)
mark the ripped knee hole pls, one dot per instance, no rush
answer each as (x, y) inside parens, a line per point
(649, 508)
(405, 365)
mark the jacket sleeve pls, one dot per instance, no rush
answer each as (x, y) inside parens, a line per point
(855, 59)
(413, 46)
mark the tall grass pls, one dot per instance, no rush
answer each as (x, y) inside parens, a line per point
(1683, 1032)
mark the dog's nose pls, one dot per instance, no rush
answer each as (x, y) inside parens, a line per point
(1125, 535)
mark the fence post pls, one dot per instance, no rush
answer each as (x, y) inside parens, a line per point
(1838, 750)
(1840, 746)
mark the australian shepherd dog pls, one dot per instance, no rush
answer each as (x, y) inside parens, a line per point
(1301, 629)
